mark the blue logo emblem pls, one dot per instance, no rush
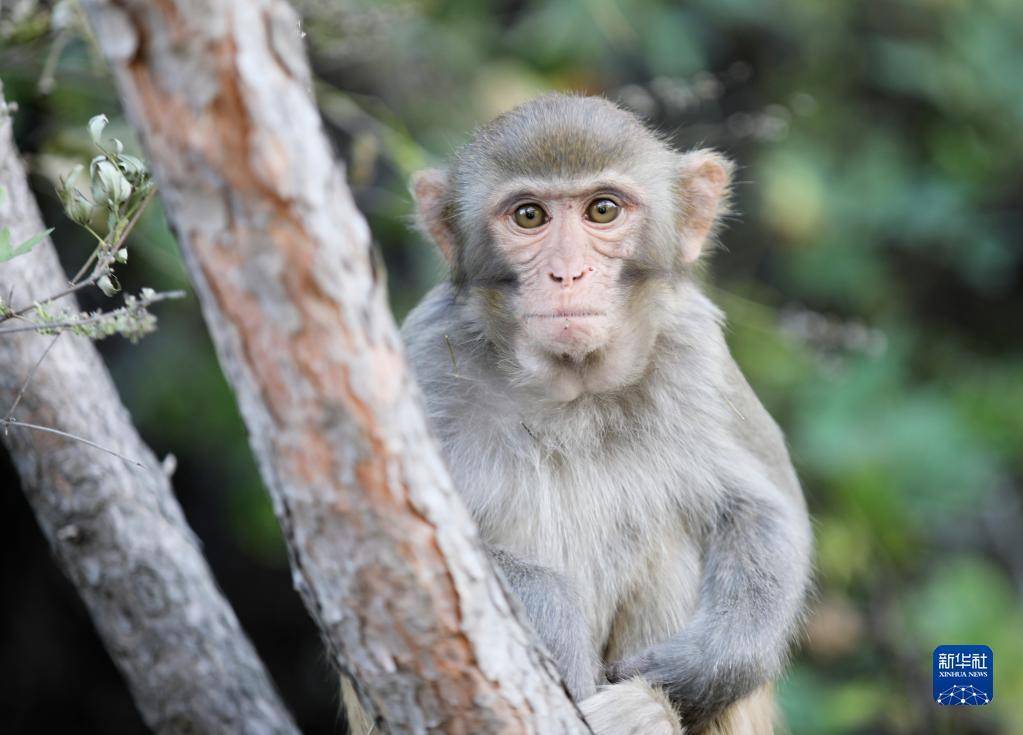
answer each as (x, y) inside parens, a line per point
(963, 675)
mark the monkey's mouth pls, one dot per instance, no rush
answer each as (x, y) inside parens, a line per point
(565, 314)
(571, 332)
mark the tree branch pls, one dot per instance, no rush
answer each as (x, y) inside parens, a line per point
(116, 530)
(44, 327)
(385, 555)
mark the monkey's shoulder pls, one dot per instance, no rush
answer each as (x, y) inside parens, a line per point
(437, 340)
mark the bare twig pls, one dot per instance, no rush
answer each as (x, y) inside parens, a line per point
(8, 422)
(48, 300)
(31, 374)
(134, 220)
(100, 246)
(451, 353)
(46, 76)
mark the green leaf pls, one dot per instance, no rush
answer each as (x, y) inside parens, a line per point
(96, 126)
(7, 252)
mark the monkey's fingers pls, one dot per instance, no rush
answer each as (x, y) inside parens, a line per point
(629, 668)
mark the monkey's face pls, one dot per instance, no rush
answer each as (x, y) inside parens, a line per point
(565, 223)
(566, 245)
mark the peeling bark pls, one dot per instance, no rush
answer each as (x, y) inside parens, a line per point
(116, 529)
(384, 554)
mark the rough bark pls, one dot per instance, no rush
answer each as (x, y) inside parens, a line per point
(116, 529)
(384, 554)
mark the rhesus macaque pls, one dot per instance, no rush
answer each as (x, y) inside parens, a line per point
(637, 497)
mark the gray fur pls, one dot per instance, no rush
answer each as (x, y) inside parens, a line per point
(554, 608)
(657, 526)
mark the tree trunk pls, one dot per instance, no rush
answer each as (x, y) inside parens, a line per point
(116, 529)
(384, 554)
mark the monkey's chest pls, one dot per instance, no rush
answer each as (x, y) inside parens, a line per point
(611, 525)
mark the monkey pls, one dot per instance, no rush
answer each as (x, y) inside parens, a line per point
(636, 497)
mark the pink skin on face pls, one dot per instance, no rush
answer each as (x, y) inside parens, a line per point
(568, 266)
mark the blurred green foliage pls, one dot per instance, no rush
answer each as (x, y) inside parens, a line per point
(872, 275)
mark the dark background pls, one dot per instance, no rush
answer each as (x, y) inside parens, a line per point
(871, 278)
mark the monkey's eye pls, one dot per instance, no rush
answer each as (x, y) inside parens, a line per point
(603, 211)
(529, 216)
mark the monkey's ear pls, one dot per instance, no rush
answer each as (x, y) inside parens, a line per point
(430, 191)
(704, 180)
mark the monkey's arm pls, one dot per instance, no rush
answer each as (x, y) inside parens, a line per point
(755, 575)
(555, 611)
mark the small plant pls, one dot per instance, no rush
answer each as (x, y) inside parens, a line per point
(121, 187)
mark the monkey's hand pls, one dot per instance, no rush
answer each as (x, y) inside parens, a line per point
(554, 609)
(754, 579)
(631, 708)
(689, 678)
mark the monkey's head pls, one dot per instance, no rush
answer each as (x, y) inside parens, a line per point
(566, 223)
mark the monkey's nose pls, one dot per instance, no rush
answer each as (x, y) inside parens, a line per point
(568, 281)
